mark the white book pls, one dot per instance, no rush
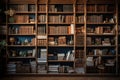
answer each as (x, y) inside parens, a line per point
(72, 28)
(34, 52)
(68, 55)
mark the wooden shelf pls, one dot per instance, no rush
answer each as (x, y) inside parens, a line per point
(79, 45)
(21, 57)
(60, 34)
(22, 34)
(104, 34)
(45, 14)
(59, 61)
(60, 13)
(79, 23)
(61, 45)
(59, 23)
(101, 46)
(101, 55)
(25, 12)
(42, 23)
(100, 23)
(79, 12)
(40, 12)
(100, 12)
(21, 45)
(21, 23)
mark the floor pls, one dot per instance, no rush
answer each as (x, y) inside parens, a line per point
(58, 78)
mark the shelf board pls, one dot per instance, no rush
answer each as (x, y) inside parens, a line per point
(41, 12)
(79, 23)
(21, 23)
(25, 12)
(60, 13)
(42, 23)
(100, 12)
(90, 23)
(101, 46)
(61, 45)
(41, 46)
(60, 61)
(21, 34)
(21, 57)
(59, 23)
(101, 55)
(63, 74)
(104, 34)
(79, 45)
(21, 45)
(80, 12)
(60, 34)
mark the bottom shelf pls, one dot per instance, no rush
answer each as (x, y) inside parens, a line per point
(62, 74)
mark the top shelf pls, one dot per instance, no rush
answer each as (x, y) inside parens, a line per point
(100, 1)
(22, 2)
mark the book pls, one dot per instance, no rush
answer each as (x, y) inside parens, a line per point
(34, 53)
(68, 55)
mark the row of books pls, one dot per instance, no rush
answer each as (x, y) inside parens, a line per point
(95, 18)
(69, 56)
(100, 41)
(79, 40)
(60, 8)
(99, 62)
(61, 19)
(100, 8)
(41, 68)
(42, 53)
(101, 30)
(79, 53)
(80, 8)
(41, 30)
(20, 67)
(57, 41)
(100, 19)
(61, 29)
(41, 60)
(101, 51)
(23, 7)
(42, 8)
(42, 18)
(41, 42)
(80, 19)
(61, 40)
(60, 69)
(21, 30)
(21, 19)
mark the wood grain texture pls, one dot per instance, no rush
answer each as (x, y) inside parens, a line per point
(58, 78)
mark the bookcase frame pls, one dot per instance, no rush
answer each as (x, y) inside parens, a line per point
(46, 14)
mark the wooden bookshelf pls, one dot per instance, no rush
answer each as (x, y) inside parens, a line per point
(73, 29)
